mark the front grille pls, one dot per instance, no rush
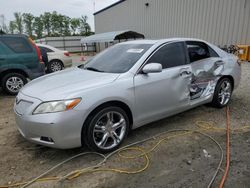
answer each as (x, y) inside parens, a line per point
(22, 106)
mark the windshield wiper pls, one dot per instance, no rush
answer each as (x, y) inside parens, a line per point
(93, 69)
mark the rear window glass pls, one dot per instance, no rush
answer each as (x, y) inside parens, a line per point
(212, 52)
(18, 45)
(199, 50)
(47, 50)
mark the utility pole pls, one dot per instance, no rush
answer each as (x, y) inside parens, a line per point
(94, 5)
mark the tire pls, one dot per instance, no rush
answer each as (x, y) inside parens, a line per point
(54, 66)
(100, 133)
(13, 82)
(222, 93)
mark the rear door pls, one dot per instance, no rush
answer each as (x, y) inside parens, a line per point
(19, 52)
(206, 68)
(2, 55)
(165, 93)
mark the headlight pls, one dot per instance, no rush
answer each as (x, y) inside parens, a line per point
(56, 106)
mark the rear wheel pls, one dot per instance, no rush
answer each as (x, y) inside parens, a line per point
(54, 65)
(106, 130)
(13, 82)
(223, 93)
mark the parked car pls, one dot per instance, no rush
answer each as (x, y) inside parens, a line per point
(57, 59)
(122, 88)
(20, 60)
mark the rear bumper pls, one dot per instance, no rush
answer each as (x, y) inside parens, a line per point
(67, 62)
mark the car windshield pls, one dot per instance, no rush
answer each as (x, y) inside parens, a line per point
(118, 58)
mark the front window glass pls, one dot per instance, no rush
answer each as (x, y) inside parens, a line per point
(170, 55)
(117, 59)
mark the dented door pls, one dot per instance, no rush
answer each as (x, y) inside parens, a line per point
(205, 74)
(161, 94)
(207, 68)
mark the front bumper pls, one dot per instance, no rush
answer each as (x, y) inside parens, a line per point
(63, 128)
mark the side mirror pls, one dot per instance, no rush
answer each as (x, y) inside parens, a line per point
(152, 68)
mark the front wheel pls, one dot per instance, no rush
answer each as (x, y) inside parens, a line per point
(106, 130)
(223, 93)
(13, 82)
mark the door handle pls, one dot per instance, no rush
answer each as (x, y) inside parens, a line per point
(185, 72)
(219, 63)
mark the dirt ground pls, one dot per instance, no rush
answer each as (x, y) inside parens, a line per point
(178, 162)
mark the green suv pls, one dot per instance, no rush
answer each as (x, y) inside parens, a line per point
(20, 60)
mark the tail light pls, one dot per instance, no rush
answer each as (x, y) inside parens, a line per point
(66, 54)
(39, 55)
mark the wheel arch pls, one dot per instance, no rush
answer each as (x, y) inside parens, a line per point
(56, 59)
(115, 103)
(229, 77)
(19, 71)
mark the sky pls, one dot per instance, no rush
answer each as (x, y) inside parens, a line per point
(71, 8)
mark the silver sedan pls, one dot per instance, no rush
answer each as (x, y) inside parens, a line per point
(124, 87)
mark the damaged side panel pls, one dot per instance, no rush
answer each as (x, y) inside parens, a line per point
(205, 75)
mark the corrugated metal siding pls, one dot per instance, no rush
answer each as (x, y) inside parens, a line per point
(70, 43)
(222, 22)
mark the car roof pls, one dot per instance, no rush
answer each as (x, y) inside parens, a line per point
(14, 35)
(48, 46)
(158, 42)
(162, 41)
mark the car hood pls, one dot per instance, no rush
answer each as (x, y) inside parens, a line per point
(67, 83)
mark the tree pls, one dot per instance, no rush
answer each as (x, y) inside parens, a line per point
(2, 32)
(55, 23)
(12, 27)
(38, 27)
(28, 21)
(84, 26)
(60, 24)
(74, 25)
(3, 26)
(66, 23)
(19, 22)
(48, 24)
(46, 18)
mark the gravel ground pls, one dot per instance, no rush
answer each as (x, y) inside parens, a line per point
(177, 162)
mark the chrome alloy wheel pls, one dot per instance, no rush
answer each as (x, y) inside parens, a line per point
(14, 84)
(225, 92)
(56, 66)
(109, 130)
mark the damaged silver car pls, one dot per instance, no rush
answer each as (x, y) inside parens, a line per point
(124, 87)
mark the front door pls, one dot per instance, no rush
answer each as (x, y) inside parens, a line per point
(161, 94)
(2, 55)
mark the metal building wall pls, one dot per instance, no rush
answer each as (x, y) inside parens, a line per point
(222, 22)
